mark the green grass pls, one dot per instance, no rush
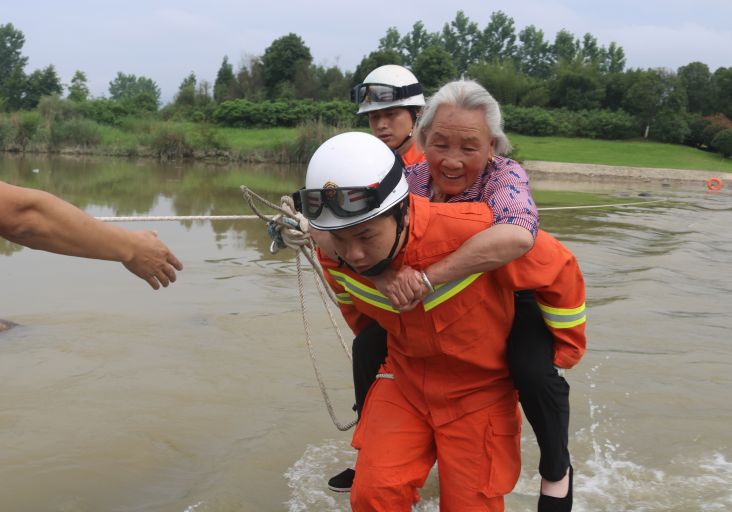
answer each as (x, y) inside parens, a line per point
(251, 139)
(241, 140)
(274, 143)
(554, 198)
(633, 153)
(115, 137)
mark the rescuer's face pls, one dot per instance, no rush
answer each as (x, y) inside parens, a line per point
(364, 245)
(391, 125)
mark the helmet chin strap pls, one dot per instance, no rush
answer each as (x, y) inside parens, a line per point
(413, 113)
(383, 264)
(409, 136)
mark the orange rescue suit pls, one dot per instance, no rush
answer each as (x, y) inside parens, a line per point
(413, 155)
(448, 355)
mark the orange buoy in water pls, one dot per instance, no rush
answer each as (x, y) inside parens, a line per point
(714, 184)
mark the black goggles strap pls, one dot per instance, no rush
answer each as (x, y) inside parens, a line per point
(391, 180)
(358, 93)
(377, 194)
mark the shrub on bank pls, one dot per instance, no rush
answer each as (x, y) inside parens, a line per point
(75, 132)
(6, 131)
(529, 120)
(722, 142)
(106, 111)
(25, 126)
(310, 135)
(269, 114)
(709, 132)
(696, 124)
(593, 124)
(170, 142)
(207, 136)
(54, 108)
(670, 127)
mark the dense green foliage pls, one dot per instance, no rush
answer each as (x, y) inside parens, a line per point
(224, 86)
(78, 89)
(565, 85)
(264, 114)
(593, 124)
(722, 142)
(140, 93)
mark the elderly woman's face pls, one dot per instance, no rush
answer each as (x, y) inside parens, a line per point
(458, 148)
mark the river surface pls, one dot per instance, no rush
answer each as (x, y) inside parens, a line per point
(202, 398)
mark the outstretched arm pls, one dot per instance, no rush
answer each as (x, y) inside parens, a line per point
(42, 221)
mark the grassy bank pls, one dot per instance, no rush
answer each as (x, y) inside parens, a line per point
(634, 153)
(141, 137)
(201, 140)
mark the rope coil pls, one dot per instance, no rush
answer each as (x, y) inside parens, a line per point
(288, 219)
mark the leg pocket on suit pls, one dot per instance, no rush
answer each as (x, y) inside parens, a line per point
(502, 464)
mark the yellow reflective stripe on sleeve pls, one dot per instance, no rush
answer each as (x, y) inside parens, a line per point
(363, 292)
(344, 298)
(563, 318)
(446, 291)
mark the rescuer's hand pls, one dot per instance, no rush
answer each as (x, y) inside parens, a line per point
(404, 287)
(295, 236)
(151, 260)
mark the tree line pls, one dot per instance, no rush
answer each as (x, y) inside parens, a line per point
(547, 86)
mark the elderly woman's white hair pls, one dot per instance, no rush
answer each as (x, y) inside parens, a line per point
(468, 95)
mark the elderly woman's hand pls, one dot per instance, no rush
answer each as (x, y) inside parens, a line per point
(404, 287)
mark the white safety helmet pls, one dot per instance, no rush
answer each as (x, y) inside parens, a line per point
(351, 178)
(387, 87)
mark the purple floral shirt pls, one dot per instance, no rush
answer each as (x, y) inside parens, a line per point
(503, 185)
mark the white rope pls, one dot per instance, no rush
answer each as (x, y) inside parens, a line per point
(311, 350)
(176, 217)
(318, 276)
(599, 205)
(287, 209)
(158, 218)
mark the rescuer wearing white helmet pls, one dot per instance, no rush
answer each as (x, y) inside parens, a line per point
(444, 392)
(392, 98)
(333, 199)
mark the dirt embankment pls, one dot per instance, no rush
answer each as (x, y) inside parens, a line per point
(537, 168)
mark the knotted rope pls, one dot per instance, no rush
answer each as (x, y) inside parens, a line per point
(293, 233)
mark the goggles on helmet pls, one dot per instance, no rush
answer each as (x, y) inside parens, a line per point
(348, 202)
(381, 93)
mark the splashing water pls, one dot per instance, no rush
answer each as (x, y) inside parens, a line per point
(607, 480)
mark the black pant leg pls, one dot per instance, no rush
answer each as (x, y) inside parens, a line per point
(369, 352)
(543, 393)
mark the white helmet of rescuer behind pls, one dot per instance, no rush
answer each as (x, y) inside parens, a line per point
(351, 178)
(388, 87)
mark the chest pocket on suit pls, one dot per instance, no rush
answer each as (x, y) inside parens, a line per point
(456, 311)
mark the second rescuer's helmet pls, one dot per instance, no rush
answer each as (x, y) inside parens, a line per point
(388, 87)
(351, 178)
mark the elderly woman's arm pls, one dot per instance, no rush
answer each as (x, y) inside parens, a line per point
(516, 220)
(483, 252)
(42, 221)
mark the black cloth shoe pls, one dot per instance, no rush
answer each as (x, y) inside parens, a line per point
(343, 481)
(552, 504)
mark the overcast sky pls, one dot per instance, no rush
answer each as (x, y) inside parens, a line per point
(165, 40)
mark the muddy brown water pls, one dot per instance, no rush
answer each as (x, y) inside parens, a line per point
(201, 397)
